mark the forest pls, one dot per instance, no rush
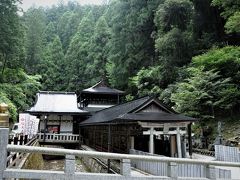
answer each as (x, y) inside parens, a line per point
(186, 52)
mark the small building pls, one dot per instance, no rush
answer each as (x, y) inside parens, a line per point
(99, 96)
(58, 112)
(144, 124)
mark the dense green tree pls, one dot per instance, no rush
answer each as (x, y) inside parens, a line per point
(50, 32)
(18, 90)
(11, 33)
(174, 39)
(231, 12)
(53, 69)
(77, 54)
(98, 52)
(35, 38)
(67, 27)
(131, 46)
(208, 26)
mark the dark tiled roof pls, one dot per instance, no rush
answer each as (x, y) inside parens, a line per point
(56, 102)
(102, 88)
(127, 113)
(112, 113)
(152, 117)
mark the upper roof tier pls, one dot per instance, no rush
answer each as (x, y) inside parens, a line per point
(102, 88)
(51, 102)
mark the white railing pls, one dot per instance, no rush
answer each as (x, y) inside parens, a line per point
(183, 169)
(58, 138)
(227, 153)
(69, 170)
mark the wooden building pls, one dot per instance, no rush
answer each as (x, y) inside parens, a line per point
(99, 96)
(144, 124)
(58, 112)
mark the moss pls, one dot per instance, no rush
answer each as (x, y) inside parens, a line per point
(34, 161)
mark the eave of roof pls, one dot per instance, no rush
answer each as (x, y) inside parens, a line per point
(51, 102)
(102, 88)
(129, 112)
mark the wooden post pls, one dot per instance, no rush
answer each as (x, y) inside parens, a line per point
(190, 140)
(173, 145)
(21, 140)
(109, 147)
(25, 139)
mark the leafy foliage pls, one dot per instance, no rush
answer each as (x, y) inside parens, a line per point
(18, 90)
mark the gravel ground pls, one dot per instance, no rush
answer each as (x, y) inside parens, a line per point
(58, 165)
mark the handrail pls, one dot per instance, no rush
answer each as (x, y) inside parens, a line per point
(55, 151)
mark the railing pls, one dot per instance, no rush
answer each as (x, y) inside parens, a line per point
(69, 170)
(14, 158)
(58, 138)
(183, 170)
(227, 153)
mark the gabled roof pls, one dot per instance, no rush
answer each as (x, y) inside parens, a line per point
(48, 102)
(102, 88)
(134, 111)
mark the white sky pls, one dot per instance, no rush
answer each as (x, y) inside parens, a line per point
(48, 3)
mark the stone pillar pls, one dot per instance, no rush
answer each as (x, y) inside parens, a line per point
(151, 141)
(172, 170)
(132, 142)
(179, 147)
(125, 167)
(184, 147)
(3, 150)
(69, 168)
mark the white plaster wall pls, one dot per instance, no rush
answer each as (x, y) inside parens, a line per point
(66, 127)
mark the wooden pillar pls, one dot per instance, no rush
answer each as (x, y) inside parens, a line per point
(173, 145)
(179, 147)
(190, 140)
(109, 147)
(60, 120)
(45, 127)
(151, 141)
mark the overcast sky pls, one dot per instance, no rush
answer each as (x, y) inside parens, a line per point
(28, 3)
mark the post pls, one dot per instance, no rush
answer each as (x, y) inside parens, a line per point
(126, 167)
(210, 172)
(179, 147)
(45, 128)
(172, 170)
(21, 140)
(132, 142)
(25, 139)
(190, 140)
(3, 150)
(69, 168)
(151, 141)
(109, 148)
